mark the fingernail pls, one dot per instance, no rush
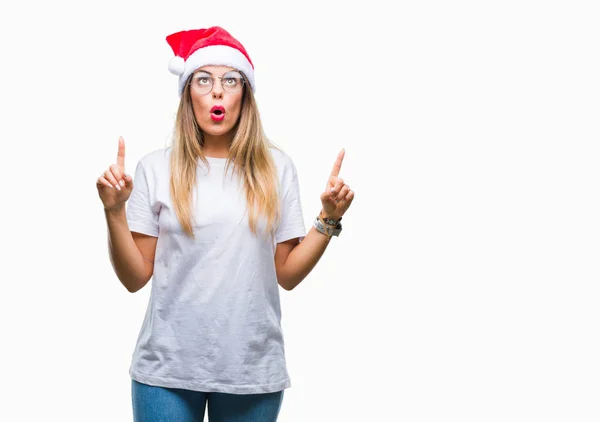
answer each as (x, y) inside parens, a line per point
(118, 187)
(122, 183)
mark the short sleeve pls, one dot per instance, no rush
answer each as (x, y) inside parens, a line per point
(140, 216)
(291, 224)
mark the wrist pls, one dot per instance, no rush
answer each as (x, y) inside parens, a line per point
(330, 218)
(119, 211)
(329, 229)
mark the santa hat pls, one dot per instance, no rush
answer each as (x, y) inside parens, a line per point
(211, 46)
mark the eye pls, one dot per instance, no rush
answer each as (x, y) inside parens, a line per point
(230, 81)
(202, 79)
(232, 75)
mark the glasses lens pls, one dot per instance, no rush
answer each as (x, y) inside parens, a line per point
(232, 82)
(201, 83)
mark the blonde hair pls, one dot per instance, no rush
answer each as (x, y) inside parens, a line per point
(249, 154)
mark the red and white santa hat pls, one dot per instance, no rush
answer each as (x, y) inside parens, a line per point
(211, 46)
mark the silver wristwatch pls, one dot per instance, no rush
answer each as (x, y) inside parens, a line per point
(327, 230)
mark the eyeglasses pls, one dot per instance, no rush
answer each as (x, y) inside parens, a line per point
(202, 82)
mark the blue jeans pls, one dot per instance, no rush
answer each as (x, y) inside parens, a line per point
(161, 404)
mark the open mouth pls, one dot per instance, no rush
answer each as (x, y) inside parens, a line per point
(217, 113)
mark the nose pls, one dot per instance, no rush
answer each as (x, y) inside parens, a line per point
(217, 89)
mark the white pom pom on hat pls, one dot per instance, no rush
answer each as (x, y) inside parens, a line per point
(177, 65)
(207, 46)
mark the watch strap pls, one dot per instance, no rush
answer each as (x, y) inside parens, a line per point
(327, 230)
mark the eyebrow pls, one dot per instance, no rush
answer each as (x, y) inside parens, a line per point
(206, 71)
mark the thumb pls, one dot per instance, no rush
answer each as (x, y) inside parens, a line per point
(128, 180)
(326, 197)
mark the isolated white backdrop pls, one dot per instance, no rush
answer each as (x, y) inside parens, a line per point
(464, 286)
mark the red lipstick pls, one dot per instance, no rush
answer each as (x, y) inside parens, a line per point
(217, 113)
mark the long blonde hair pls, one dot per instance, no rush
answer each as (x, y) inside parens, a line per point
(249, 154)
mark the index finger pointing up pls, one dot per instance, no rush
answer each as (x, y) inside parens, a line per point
(338, 163)
(121, 154)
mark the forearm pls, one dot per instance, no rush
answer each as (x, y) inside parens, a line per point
(125, 257)
(304, 257)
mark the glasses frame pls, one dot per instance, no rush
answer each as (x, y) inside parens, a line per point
(212, 81)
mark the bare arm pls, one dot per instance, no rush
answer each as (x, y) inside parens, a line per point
(294, 261)
(131, 266)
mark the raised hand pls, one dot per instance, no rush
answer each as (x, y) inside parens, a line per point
(337, 196)
(114, 185)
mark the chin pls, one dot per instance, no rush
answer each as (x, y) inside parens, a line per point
(217, 131)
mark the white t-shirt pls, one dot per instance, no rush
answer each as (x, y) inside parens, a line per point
(213, 321)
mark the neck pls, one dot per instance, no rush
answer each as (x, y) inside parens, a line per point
(216, 145)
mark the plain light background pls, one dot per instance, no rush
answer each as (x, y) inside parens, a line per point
(464, 286)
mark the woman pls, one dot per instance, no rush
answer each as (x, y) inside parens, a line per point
(216, 222)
